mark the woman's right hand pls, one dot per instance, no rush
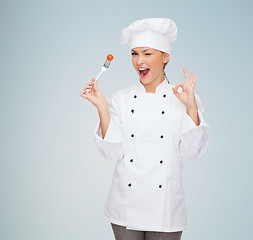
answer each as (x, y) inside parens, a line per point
(95, 96)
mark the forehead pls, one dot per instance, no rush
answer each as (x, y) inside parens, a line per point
(141, 49)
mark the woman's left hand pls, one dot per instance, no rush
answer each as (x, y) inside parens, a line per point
(187, 95)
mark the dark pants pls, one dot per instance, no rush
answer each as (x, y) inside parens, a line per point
(121, 233)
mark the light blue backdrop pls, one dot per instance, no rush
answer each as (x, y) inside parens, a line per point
(54, 181)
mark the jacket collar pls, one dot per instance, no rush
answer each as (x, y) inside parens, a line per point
(163, 86)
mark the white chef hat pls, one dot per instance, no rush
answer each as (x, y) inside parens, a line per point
(157, 33)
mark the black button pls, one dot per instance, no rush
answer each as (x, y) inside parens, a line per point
(129, 185)
(132, 111)
(161, 136)
(160, 186)
(132, 135)
(162, 112)
(161, 161)
(131, 160)
(135, 96)
(164, 95)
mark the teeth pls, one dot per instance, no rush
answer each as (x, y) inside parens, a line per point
(141, 69)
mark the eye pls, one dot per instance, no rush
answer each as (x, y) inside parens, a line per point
(133, 53)
(148, 54)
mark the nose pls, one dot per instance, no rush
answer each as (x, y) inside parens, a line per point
(140, 60)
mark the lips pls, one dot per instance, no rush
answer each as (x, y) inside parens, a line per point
(144, 71)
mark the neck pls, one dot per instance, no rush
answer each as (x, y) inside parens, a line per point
(151, 87)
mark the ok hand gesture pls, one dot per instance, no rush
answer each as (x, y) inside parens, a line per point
(187, 95)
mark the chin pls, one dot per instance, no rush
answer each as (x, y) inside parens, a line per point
(145, 80)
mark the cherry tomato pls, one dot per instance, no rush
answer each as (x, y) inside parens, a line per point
(109, 57)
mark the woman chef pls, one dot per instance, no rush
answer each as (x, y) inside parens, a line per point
(147, 129)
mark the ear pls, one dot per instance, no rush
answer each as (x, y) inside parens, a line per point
(166, 57)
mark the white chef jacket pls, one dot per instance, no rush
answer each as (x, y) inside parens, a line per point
(148, 136)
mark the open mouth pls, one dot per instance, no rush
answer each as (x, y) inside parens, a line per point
(144, 72)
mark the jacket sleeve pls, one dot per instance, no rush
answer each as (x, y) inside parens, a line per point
(111, 145)
(194, 139)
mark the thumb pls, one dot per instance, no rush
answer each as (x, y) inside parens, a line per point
(95, 85)
(175, 91)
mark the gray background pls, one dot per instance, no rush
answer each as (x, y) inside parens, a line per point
(54, 181)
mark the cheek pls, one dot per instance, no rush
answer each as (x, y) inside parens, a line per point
(133, 62)
(156, 64)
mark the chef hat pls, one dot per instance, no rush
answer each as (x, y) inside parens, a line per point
(157, 33)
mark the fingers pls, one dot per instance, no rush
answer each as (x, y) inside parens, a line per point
(95, 83)
(89, 85)
(194, 81)
(85, 92)
(191, 74)
(185, 75)
(94, 88)
(192, 77)
(175, 92)
(180, 84)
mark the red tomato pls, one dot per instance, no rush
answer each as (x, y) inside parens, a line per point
(109, 57)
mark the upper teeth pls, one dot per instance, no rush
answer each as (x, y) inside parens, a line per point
(141, 69)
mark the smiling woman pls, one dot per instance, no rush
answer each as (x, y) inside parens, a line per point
(149, 64)
(147, 129)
